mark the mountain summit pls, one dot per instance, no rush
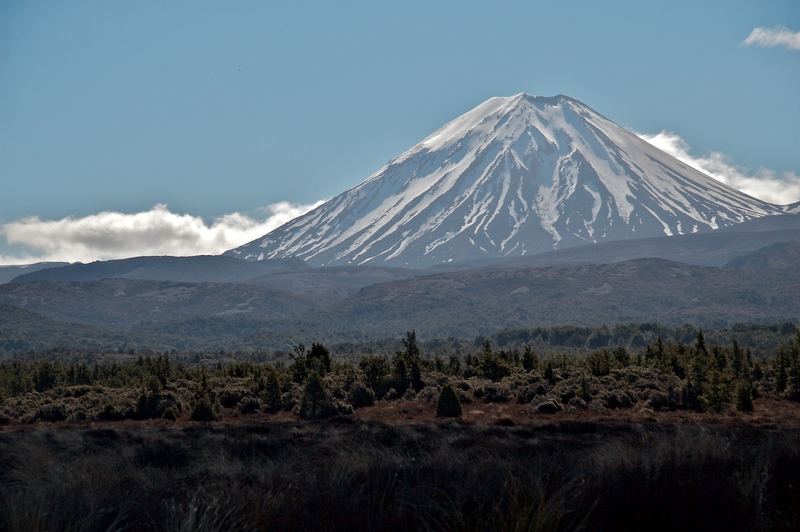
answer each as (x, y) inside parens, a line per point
(515, 175)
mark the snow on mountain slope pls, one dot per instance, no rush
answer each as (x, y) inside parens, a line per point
(794, 208)
(515, 175)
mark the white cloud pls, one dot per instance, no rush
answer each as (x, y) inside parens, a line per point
(773, 37)
(764, 184)
(158, 231)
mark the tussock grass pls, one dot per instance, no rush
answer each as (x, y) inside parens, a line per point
(371, 476)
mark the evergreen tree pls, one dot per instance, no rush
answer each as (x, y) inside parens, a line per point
(272, 393)
(313, 403)
(530, 361)
(203, 402)
(758, 372)
(549, 374)
(448, 404)
(491, 366)
(400, 374)
(45, 377)
(585, 393)
(299, 368)
(700, 344)
(716, 394)
(678, 361)
(319, 359)
(781, 375)
(410, 343)
(744, 396)
(794, 368)
(375, 369)
(738, 359)
(656, 355)
(719, 358)
(413, 360)
(454, 365)
(697, 375)
(415, 375)
(621, 357)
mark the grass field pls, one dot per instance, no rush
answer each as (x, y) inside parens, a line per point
(347, 474)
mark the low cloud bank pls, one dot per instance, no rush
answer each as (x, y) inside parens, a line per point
(157, 231)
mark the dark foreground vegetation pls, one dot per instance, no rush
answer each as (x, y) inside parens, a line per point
(671, 436)
(664, 376)
(373, 476)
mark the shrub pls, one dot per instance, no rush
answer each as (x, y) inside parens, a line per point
(527, 394)
(52, 412)
(662, 401)
(229, 398)
(288, 400)
(448, 404)
(361, 396)
(112, 413)
(170, 414)
(203, 410)
(548, 407)
(249, 405)
(496, 393)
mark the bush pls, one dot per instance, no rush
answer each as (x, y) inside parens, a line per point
(249, 405)
(52, 412)
(548, 407)
(229, 398)
(170, 414)
(448, 404)
(112, 413)
(361, 396)
(496, 393)
(527, 394)
(662, 401)
(203, 410)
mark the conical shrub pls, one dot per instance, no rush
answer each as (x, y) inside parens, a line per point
(448, 404)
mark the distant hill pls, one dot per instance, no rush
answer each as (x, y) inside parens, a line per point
(481, 301)
(333, 281)
(461, 304)
(201, 268)
(9, 272)
(22, 331)
(123, 303)
(779, 256)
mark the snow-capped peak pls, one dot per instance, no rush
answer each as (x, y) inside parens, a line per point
(515, 175)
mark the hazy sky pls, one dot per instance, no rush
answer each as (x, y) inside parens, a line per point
(223, 108)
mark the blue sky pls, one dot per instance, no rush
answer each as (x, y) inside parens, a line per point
(225, 107)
